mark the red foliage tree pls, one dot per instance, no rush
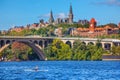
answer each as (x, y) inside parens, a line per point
(20, 49)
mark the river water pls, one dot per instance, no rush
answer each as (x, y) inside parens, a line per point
(60, 70)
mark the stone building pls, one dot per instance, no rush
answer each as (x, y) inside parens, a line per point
(58, 32)
(51, 19)
(17, 28)
(83, 22)
(59, 20)
(94, 30)
(70, 15)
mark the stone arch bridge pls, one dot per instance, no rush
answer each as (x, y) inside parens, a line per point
(37, 43)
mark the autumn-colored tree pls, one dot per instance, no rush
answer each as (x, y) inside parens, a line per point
(20, 50)
(19, 46)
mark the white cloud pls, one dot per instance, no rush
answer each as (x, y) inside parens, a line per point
(109, 3)
(61, 15)
(45, 15)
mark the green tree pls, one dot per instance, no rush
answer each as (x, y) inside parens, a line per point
(118, 50)
(58, 51)
(113, 50)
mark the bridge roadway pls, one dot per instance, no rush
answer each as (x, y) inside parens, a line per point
(62, 38)
(38, 42)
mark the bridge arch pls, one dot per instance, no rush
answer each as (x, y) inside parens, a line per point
(107, 46)
(36, 42)
(41, 43)
(90, 43)
(69, 43)
(8, 42)
(36, 48)
(83, 43)
(45, 43)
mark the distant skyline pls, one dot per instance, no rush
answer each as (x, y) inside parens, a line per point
(23, 12)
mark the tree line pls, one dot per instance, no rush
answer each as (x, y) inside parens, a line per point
(80, 51)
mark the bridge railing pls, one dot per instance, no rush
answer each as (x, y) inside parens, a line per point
(63, 38)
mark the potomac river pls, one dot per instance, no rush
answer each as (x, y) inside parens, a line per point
(60, 70)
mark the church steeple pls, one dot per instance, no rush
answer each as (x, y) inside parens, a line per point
(70, 15)
(70, 12)
(51, 19)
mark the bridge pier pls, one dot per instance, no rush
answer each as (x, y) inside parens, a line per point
(107, 46)
(43, 45)
(102, 45)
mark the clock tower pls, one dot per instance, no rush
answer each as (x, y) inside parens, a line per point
(92, 25)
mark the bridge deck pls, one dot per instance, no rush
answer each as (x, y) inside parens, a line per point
(62, 38)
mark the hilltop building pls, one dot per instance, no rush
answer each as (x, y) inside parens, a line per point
(94, 30)
(70, 15)
(17, 28)
(69, 19)
(92, 25)
(51, 19)
(83, 22)
(119, 25)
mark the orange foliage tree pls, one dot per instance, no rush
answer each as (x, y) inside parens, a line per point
(20, 50)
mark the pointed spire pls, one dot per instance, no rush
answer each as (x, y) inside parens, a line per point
(51, 14)
(51, 19)
(70, 12)
(70, 15)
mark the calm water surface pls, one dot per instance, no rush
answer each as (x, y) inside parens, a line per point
(60, 70)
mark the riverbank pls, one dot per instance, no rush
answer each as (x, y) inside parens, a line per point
(109, 57)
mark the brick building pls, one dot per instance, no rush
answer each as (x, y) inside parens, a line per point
(17, 28)
(94, 30)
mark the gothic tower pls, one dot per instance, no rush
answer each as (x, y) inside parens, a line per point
(70, 15)
(51, 19)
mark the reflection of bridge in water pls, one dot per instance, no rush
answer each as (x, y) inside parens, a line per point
(37, 43)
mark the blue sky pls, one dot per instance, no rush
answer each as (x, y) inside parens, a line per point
(23, 12)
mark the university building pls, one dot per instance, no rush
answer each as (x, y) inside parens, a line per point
(61, 20)
(94, 30)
